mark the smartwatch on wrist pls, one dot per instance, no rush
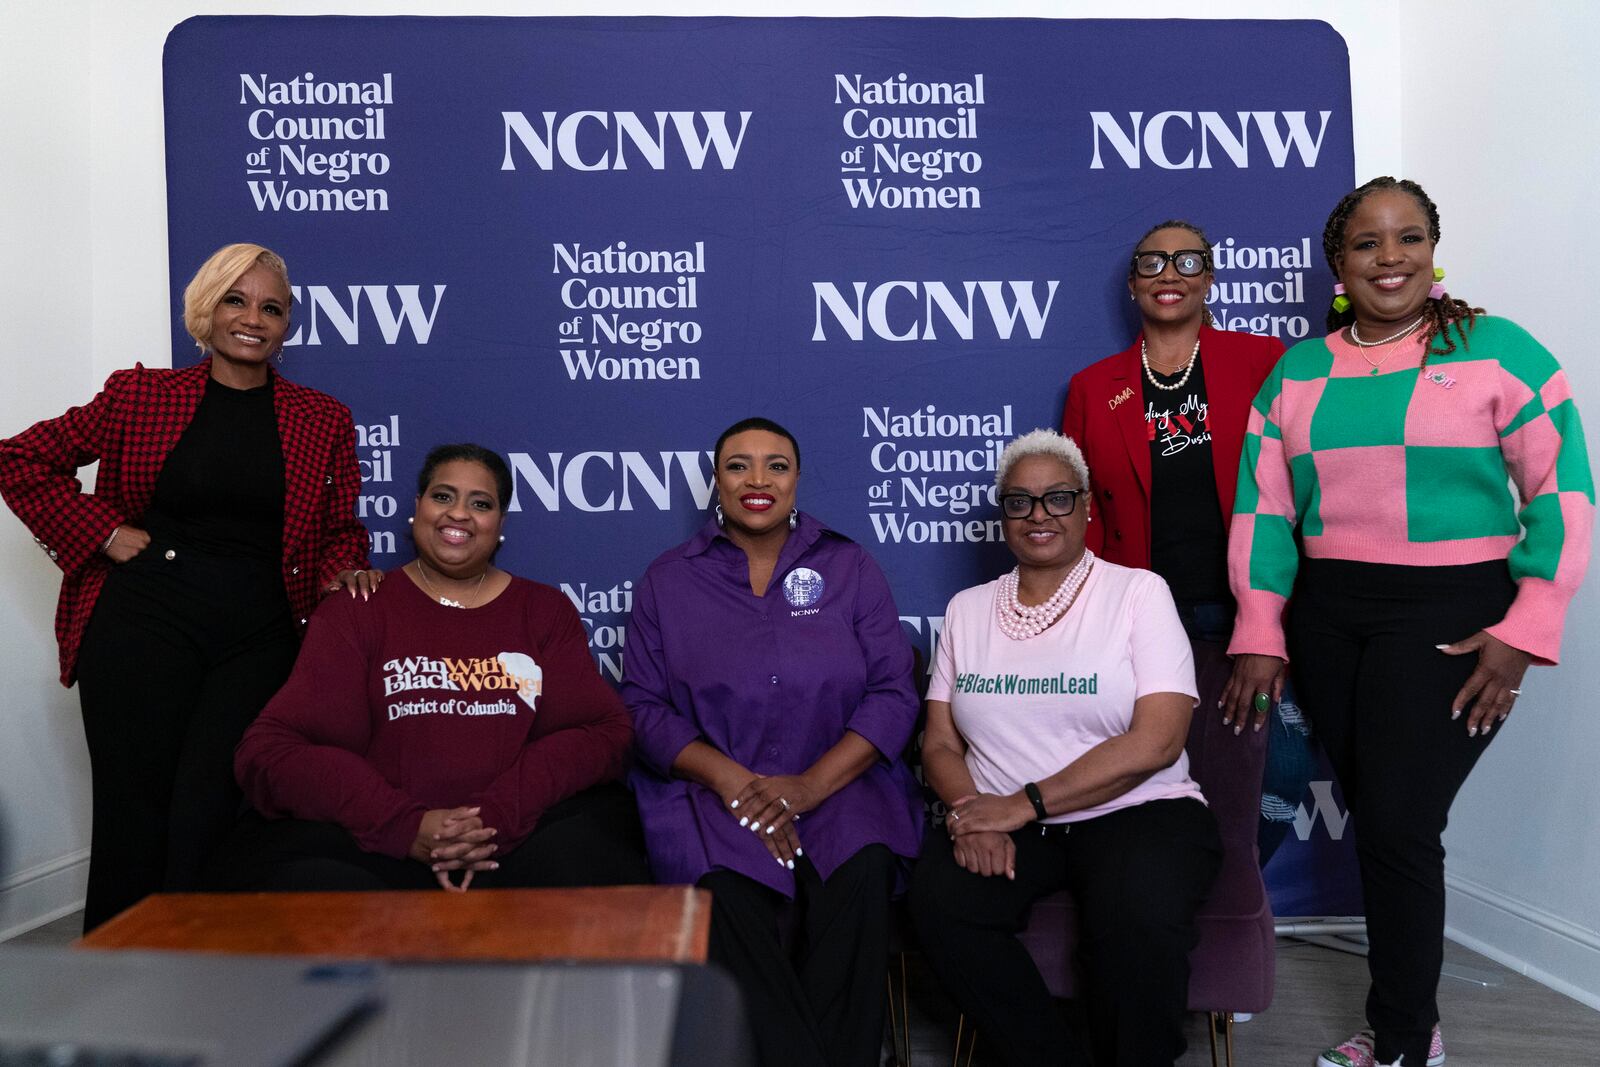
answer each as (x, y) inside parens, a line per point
(1037, 800)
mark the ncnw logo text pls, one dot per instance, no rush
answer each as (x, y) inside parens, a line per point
(608, 140)
(917, 311)
(393, 309)
(1189, 140)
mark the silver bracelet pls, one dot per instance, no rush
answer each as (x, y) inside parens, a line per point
(107, 546)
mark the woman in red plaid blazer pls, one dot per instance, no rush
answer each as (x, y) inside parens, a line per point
(223, 508)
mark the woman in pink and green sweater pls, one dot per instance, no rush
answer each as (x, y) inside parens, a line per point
(1377, 548)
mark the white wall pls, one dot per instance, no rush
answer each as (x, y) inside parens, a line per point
(1500, 126)
(48, 292)
(83, 262)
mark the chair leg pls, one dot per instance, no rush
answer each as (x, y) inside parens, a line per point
(894, 1026)
(961, 1021)
(905, 1008)
(972, 1041)
(899, 1021)
(1221, 1020)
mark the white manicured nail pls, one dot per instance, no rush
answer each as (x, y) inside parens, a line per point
(734, 805)
(745, 821)
(771, 828)
(791, 865)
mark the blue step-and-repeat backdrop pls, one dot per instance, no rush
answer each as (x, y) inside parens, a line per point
(592, 243)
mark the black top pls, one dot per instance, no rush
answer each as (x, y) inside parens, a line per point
(222, 488)
(1188, 545)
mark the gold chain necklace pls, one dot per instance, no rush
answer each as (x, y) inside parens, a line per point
(1362, 346)
(1188, 367)
(422, 572)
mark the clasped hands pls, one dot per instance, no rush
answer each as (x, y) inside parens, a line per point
(980, 826)
(454, 839)
(769, 807)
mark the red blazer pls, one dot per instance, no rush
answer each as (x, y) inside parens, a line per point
(131, 427)
(1104, 414)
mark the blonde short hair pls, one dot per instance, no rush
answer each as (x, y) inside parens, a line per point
(216, 276)
(1043, 443)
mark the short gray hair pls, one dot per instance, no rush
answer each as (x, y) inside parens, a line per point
(1043, 443)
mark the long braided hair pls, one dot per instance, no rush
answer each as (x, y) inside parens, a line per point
(1205, 242)
(1439, 313)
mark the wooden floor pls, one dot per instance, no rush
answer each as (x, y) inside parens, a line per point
(1514, 1023)
(1319, 1001)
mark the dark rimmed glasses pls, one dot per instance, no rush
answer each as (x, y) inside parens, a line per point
(1189, 262)
(1057, 502)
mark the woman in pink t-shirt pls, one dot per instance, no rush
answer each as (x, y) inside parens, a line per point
(1057, 715)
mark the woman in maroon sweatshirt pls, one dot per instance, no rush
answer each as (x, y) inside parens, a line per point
(453, 723)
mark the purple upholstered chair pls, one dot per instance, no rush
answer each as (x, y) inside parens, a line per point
(1233, 966)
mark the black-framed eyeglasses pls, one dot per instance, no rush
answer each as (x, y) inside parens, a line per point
(1189, 262)
(1058, 502)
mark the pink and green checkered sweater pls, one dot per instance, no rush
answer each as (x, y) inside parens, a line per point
(1401, 465)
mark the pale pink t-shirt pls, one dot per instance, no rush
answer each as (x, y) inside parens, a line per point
(1029, 708)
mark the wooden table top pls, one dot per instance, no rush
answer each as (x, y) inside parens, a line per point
(664, 923)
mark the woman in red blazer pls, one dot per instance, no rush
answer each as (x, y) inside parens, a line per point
(1161, 424)
(223, 508)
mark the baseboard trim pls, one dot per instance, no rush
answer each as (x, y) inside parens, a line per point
(43, 894)
(1525, 938)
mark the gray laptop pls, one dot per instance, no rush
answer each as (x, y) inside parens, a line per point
(77, 1006)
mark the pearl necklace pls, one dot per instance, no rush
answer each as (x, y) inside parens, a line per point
(1362, 346)
(1188, 368)
(1019, 621)
(422, 571)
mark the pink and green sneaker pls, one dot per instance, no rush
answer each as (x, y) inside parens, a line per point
(1357, 1052)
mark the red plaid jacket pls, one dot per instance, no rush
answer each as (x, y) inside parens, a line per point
(131, 427)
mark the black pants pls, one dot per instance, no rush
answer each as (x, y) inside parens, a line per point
(1137, 875)
(590, 838)
(822, 1004)
(1289, 763)
(1361, 645)
(180, 656)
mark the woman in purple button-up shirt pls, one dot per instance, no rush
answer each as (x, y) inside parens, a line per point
(771, 691)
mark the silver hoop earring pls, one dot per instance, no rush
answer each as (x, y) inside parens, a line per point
(720, 520)
(794, 517)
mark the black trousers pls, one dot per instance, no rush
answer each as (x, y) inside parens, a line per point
(821, 1004)
(179, 657)
(1137, 875)
(1361, 645)
(590, 838)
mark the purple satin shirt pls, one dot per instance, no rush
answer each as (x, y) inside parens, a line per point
(772, 682)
